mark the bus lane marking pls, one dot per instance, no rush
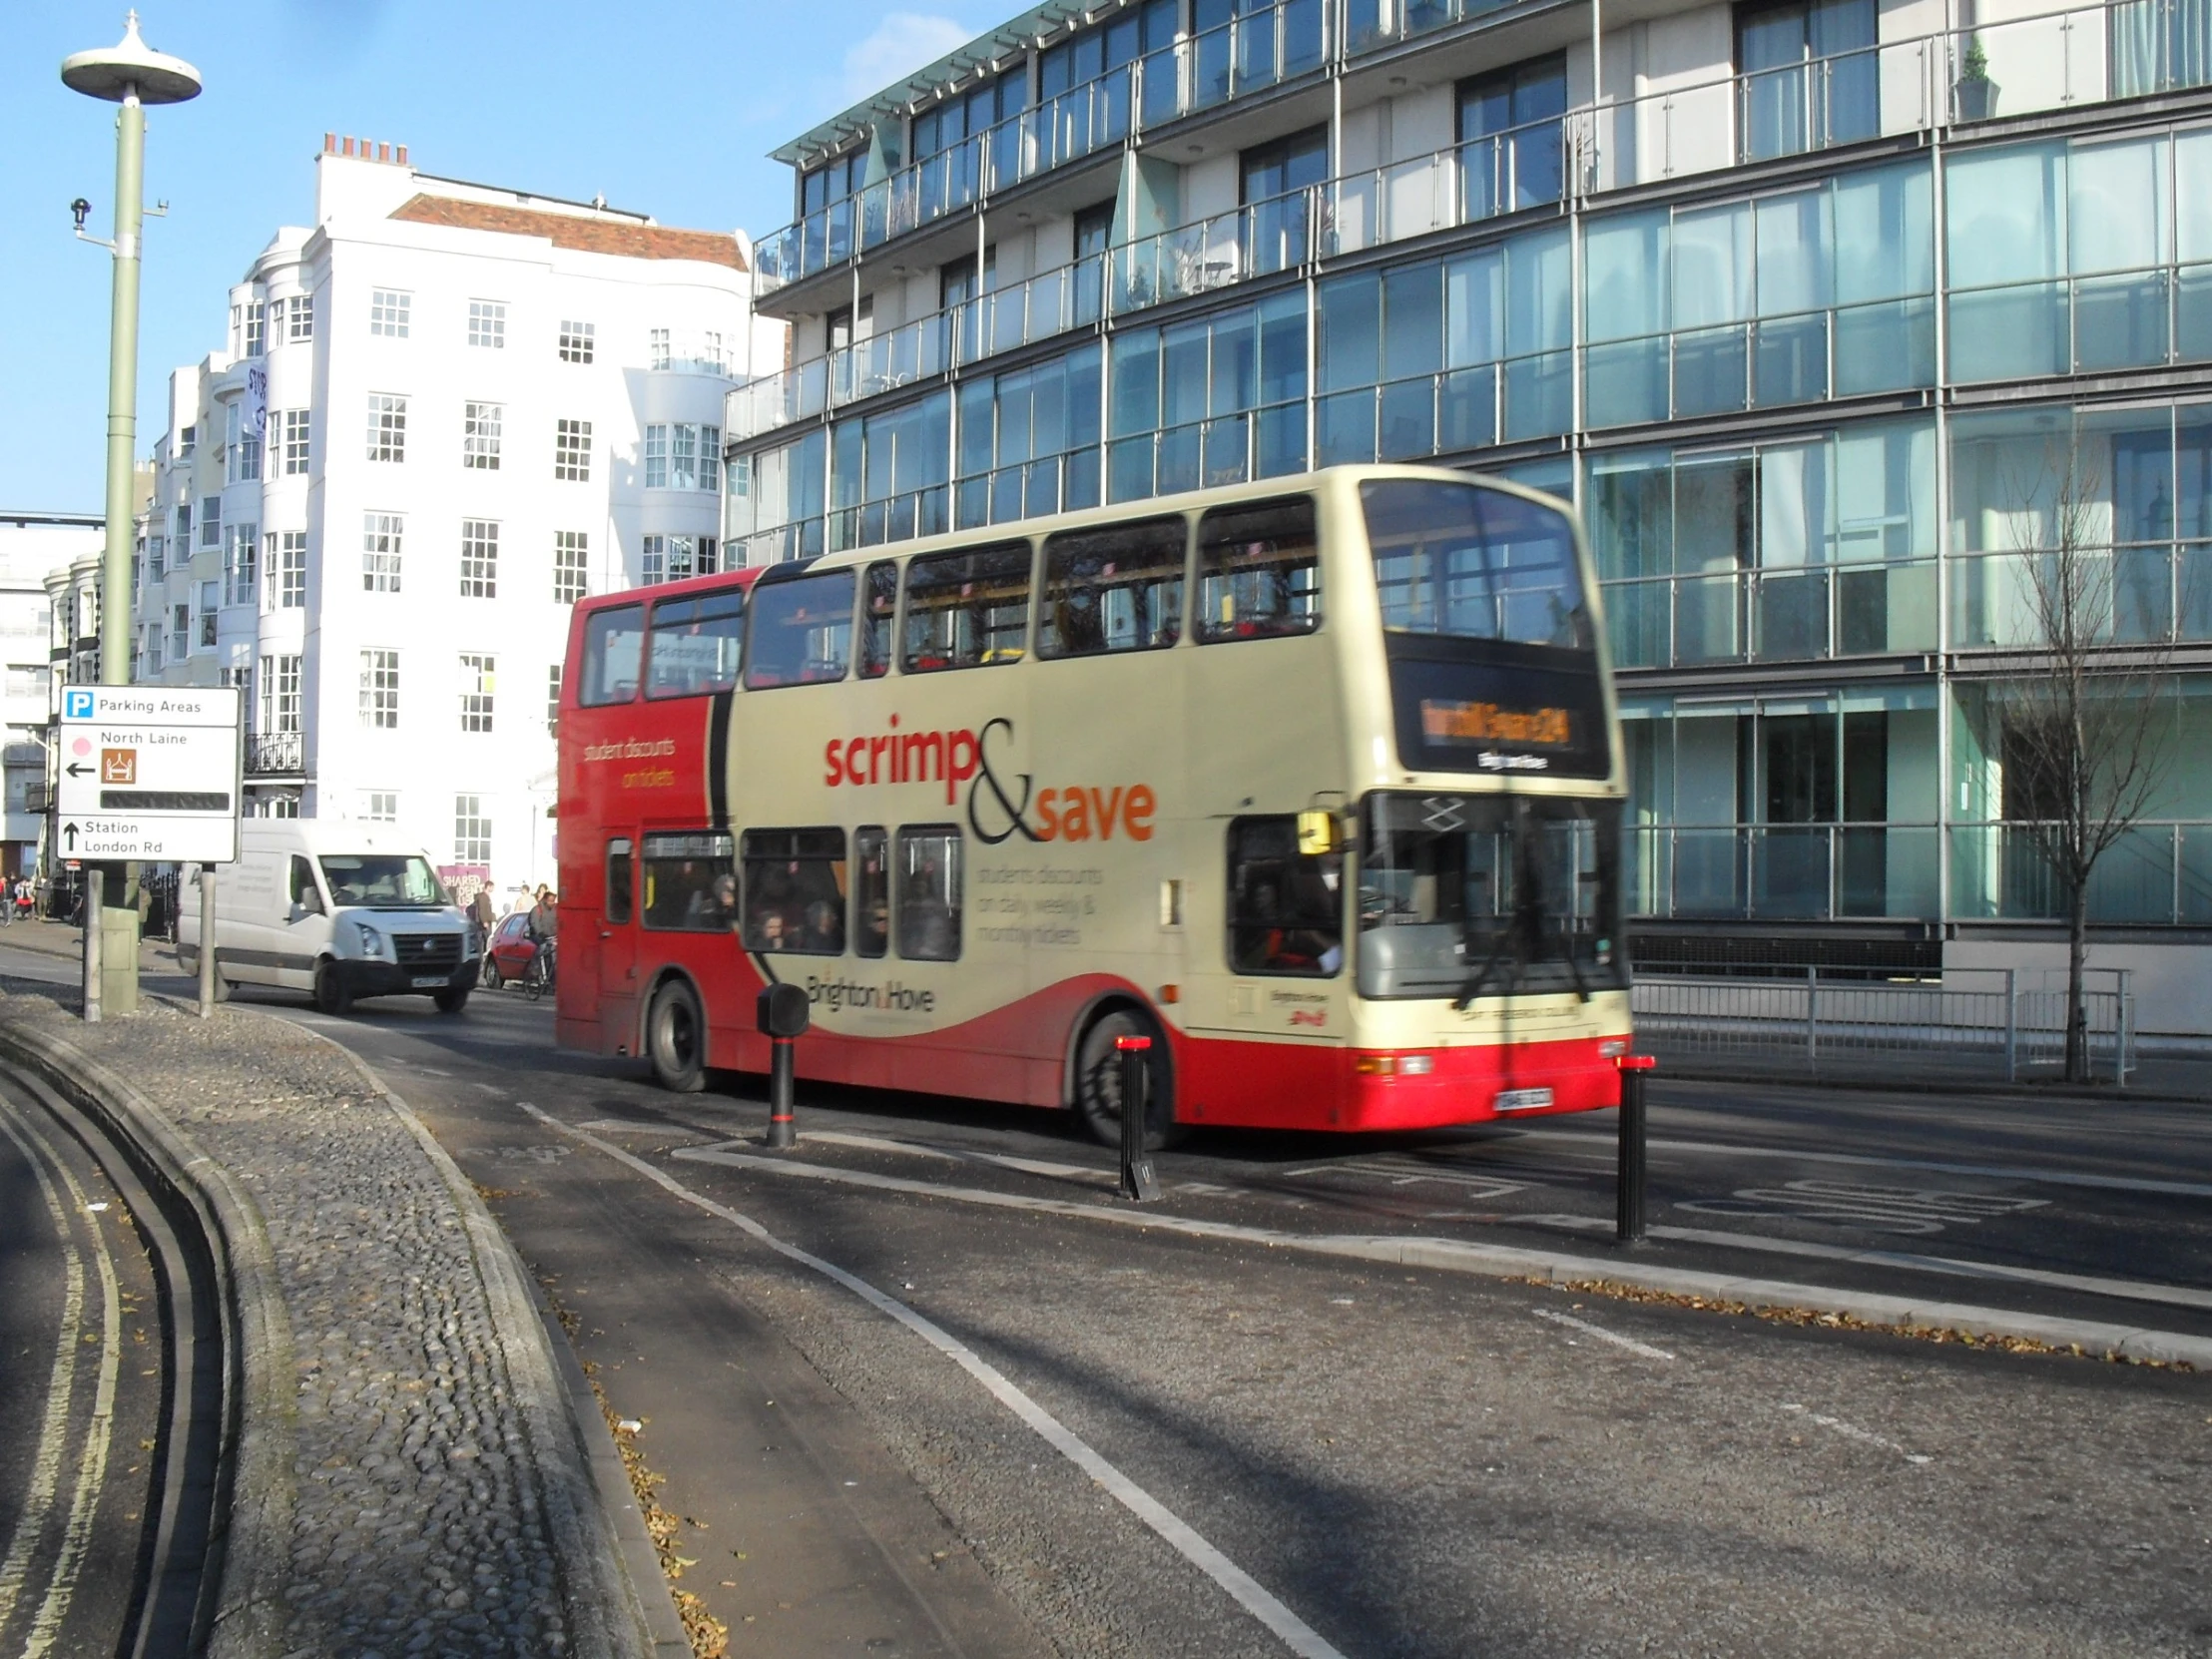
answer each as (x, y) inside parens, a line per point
(1879, 1209)
(92, 1457)
(1085, 1173)
(1601, 1333)
(1851, 1431)
(1300, 1637)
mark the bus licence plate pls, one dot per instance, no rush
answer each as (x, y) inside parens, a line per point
(1522, 1100)
(428, 981)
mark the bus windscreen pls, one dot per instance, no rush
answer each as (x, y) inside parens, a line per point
(1489, 636)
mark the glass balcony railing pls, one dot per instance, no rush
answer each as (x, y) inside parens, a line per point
(1783, 872)
(2158, 873)
(1255, 50)
(1452, 409)
(1790, 614)
(1257, 239)
(2153, 594)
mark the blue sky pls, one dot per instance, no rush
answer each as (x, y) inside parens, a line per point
(666, 108)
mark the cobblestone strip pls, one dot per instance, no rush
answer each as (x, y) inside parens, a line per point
(410, 1477)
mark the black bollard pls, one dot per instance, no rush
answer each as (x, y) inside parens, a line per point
(782, 1014)
(1628, 1198)
(1137, 1180)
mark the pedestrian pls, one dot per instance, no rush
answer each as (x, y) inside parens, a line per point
(483, 912)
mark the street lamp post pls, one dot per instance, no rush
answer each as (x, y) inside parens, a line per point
(132, 74)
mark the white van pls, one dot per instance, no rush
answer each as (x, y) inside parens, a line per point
(338, 909)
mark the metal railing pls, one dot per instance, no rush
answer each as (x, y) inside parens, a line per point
(1781, 614)
(275, 754)
(1986, 1025)
(2144, 318)
(2149, 594)
(2155, 874)
(1783, 872)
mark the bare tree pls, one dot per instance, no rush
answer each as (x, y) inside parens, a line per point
(2087, 729)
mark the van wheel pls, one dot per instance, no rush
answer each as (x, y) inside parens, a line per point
(332, 993)
(1098, 1081)
(452, 1000)
(676, 1039)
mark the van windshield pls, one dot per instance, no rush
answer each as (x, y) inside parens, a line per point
(382, 880)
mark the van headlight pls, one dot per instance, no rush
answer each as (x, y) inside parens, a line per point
(472, 943)
(373, 942)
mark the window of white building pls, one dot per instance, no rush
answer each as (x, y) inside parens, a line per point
(257, 324)
(210, 521)
(487, 323)
(480, 425)
(471, 830)
(380, 690)
(479, 558)
(673, 558)
(300, 318)
(577, 341)
(237, 564)
(553, 700)
(683, 457)
(389, 311)
(179, 632)
(380, 806)
(210, 601)
(280, 694)
(288, 570)
(382, 535)
(571, 548)
(292, 426)
(572, 451)
(388, 427)
(476, 692)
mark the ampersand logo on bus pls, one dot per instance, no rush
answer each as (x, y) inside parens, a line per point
(995, 811)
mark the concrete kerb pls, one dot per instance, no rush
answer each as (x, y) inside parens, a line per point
(590, 1509)
(252, 1532)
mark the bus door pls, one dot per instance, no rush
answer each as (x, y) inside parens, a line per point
(618, 948)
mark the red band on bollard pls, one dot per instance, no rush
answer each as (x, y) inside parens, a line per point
(1635, 1062)
(1131, 1042)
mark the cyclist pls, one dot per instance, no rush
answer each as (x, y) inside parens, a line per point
(545, 928)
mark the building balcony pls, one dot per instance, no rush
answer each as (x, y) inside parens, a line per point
(276, 756)
(1260, 49)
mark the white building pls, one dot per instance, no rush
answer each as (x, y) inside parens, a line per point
(443, 413)
(31, 545)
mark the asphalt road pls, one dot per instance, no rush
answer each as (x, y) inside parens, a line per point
(1017, 1426)
(81, 1394)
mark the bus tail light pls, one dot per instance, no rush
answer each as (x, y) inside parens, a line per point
(1394, 1066)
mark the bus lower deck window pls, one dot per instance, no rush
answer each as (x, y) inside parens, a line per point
(1286, 909)
(618, 881)
(929, 892)
(871, 892)
(690, 886)
(795, 890)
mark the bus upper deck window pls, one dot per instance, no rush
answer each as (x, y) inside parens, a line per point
(801, 632)
(614, 648)
(967, 609)
(1119, 588)
(1258, 571)
(878, 609)
(696, 645)
(1474, 563)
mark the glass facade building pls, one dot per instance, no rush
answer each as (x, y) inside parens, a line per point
(1834, 320)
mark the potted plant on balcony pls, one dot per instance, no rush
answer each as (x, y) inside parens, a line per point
(1975, 94)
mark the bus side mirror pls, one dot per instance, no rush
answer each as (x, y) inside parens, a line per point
(1316, 834)
(782, 1010)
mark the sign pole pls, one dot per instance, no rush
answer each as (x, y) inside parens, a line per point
(207, 941)
(88, 910)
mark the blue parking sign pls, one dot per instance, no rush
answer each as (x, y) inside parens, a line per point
(77, 704)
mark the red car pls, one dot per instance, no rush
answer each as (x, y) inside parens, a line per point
(511, 952)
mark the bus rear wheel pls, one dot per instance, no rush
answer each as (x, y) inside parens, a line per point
(1098, 1080)
(676, 1039)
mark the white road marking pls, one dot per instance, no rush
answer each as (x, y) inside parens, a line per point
(1247, 1591)
(1851, 1431)
(2136, 1289)
(966, 1154)
(92, 1467)
(1881, 1209)
(1404, 1172)
(53, 1436)
(629, 1126)
(2002, 1172)
(1601, 1333)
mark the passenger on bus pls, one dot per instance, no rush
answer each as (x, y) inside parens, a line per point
(824, 932)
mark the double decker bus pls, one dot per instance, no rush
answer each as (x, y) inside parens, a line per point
(1317, 782)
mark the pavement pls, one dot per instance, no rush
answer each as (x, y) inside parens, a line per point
(927, 1387)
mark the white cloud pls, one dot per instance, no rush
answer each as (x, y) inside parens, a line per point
(900, 44)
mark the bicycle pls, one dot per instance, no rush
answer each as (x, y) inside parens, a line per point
(538, 978)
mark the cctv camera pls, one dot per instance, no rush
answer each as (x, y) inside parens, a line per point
(79, 208)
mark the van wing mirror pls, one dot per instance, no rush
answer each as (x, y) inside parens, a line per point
(1316, 834)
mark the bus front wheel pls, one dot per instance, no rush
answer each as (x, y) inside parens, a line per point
(676, 1039)
(1098, 1080)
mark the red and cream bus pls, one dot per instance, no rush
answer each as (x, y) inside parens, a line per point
(1316, 780)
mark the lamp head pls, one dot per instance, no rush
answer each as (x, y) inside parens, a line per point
(130, 69)
(77, 210)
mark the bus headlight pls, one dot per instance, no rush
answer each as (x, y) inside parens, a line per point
(1394, 1066)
